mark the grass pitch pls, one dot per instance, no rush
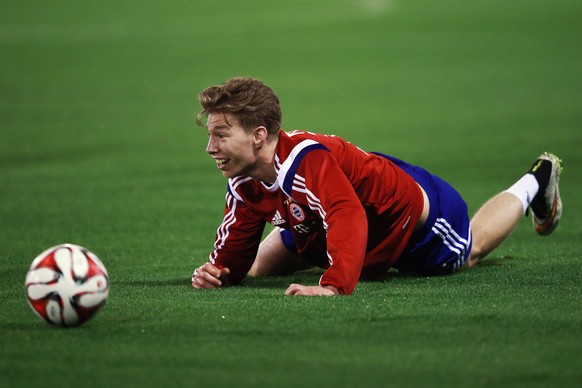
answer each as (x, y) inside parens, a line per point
(98, 147)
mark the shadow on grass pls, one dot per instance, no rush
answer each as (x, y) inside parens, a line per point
(303, 277)
(283, 281)
(153, 282)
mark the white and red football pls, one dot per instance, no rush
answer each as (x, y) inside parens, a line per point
(66, 285)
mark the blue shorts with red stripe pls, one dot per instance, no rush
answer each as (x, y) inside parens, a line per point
(443, 244)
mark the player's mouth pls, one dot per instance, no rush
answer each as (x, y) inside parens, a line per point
(220, 163)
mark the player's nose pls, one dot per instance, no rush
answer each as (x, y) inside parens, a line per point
(211, 147)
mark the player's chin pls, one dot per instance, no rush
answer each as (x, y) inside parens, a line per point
(226, 172)
(230, 173)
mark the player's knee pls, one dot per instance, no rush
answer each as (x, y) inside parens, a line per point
(256, 272)
(477, 254)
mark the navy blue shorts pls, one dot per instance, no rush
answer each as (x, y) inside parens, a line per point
(288, 240)
(443, 244)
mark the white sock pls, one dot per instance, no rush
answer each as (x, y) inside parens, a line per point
(525, 190)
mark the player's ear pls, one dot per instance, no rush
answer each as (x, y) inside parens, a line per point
(260, 136)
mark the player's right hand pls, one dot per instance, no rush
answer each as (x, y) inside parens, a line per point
(209, 276)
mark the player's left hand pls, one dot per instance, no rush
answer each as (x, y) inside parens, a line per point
(300, 290)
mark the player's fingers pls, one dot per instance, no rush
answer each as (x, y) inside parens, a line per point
(205, 278)
(201, 283)
(293, 289)
(211, 269)
(224, 272)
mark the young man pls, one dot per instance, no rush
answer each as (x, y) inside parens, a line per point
(353, 213)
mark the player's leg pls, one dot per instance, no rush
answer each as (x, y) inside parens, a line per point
(537, 189)
(492, 224)
(275, 257)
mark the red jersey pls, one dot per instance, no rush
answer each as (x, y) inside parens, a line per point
(350, 212)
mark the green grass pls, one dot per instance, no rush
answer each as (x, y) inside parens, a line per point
(98, 147)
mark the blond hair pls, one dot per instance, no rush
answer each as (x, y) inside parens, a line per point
(249, 100)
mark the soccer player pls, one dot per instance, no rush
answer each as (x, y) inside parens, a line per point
(351, 212)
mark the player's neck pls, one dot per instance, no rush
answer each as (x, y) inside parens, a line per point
(265, 168)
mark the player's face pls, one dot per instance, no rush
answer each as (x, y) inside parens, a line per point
(230, 145)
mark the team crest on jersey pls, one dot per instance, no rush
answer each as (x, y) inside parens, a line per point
(297, 212)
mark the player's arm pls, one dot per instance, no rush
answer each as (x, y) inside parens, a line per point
(334, 198)
(235, 247)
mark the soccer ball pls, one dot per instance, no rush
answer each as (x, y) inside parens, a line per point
(66, 285)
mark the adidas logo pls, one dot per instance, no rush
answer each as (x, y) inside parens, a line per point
(277, 219)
